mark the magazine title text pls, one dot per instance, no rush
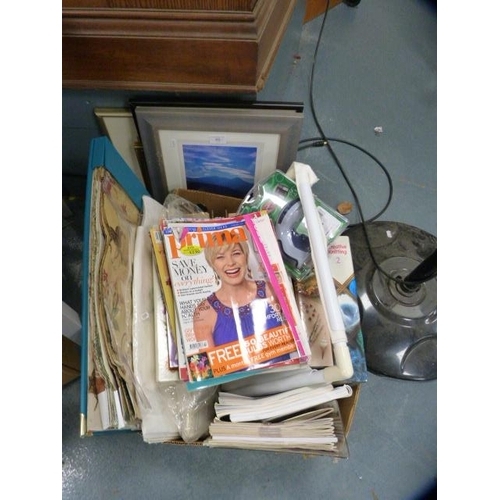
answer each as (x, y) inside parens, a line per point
(192, 243)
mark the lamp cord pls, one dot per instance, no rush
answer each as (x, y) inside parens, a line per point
(324, 141)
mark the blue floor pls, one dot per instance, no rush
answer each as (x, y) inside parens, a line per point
(375, 67)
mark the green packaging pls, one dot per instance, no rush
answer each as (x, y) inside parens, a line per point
(279, 196)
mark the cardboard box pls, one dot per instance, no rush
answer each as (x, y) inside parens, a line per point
(216, 205)
(103, 154)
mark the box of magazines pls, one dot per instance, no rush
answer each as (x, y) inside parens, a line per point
(194, 333)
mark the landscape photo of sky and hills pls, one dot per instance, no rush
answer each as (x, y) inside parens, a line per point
(220, 169)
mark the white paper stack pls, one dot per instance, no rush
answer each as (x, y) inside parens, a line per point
(247, 409)
(312, 430)
(306, 419)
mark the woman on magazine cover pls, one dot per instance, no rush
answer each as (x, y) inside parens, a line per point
(241, 306)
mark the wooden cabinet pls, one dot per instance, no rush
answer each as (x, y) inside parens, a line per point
(221, 46)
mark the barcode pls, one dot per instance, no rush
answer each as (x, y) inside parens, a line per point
(194, 346)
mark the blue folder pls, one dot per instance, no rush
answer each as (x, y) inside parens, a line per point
(102, 154)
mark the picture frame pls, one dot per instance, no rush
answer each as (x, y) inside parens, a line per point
(118, 125)
(217, 148)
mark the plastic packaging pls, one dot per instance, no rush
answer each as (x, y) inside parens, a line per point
(279, 196)
(178, 207)
(192, 410)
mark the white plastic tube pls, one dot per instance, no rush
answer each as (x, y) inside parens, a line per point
(304, 177)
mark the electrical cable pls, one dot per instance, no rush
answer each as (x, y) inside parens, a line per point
(318, 142)
(323, 140)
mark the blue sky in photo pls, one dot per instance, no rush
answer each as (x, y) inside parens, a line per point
(210, 163)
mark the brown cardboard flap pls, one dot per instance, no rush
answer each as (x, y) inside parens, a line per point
(348, 407)
(217, 205)
(70, 360)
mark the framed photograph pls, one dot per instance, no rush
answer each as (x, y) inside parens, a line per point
(213, 148)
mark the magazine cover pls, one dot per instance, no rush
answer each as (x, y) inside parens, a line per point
(233, 314)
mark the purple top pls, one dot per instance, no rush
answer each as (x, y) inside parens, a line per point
(254, 318)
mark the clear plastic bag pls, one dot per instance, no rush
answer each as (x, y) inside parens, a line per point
(192, 410)
(178, 207)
